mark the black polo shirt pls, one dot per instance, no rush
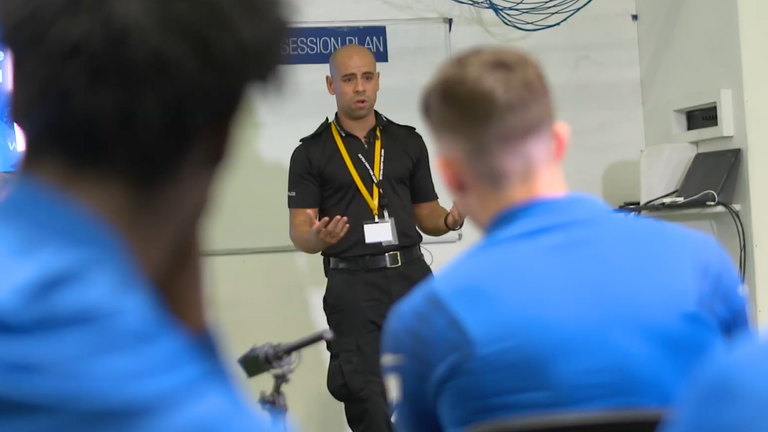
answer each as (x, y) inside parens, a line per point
(319, 178)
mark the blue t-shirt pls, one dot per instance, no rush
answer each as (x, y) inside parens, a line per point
(86, 344)
(564, 306)
(729, 395)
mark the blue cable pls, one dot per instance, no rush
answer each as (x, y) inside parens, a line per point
(530, 15)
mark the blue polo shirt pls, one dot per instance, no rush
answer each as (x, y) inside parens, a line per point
(86, 344)
(729, 395)
(565, 305)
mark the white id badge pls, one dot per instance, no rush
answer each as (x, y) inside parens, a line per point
(382, 231)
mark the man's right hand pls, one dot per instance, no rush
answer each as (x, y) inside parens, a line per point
(328, 232)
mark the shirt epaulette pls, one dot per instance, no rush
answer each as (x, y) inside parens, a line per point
(388, 120)
(318, 131)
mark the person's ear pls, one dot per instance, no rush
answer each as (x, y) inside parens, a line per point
(561, 139)
(451, 172)
(378, 77)
(218, 139)
(329, 84)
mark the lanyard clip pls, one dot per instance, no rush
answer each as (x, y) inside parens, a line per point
(383, 201)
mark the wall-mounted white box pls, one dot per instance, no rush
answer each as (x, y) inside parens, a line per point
(721, 99)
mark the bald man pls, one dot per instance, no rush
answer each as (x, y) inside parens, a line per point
(359, 191)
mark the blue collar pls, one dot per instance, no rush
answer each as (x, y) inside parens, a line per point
(549, 211)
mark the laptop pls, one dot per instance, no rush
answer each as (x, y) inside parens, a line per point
(710, 180)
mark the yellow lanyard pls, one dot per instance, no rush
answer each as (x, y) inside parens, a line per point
(373, 202)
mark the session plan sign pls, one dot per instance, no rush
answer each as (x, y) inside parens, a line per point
(315, 45)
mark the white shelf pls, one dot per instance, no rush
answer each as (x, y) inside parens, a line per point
(692, 211)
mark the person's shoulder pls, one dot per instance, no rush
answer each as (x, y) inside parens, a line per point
(729, 393)
(318, 135)
(396, 125)
(748, 353)
(423, 306)
(672, 233)
(444, 291)
(708, 246)
(310, 145)
(420, 298)
(80, 278)
(463, 271)
(741, 362)
(683, 244)
(403, 130)
(156, 368)
(68, 286)
(38, 268)
(424, 319)
(739, 368)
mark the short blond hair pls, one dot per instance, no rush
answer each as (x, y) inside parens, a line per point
(491, 99)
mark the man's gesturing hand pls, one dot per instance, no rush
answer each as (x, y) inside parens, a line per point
(328, 231)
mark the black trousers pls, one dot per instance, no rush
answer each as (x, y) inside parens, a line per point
(356, 304)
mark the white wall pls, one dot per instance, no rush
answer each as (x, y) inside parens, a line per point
(592, 63)
(753, 37)
(688, 47)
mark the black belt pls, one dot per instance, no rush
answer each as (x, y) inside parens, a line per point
(389, 260)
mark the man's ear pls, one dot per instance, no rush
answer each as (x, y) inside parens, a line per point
(451, 173)
(561, 139)
(378, 78)
(329, 84)
(215, 141)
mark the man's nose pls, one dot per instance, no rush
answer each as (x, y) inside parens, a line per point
(359, 88)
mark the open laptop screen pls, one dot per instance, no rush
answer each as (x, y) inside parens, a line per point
(12, 142)
(708, 172)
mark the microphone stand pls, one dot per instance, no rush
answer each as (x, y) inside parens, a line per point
(281, 361)
(274, 402)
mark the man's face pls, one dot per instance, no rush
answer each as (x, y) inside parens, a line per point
(355, 83)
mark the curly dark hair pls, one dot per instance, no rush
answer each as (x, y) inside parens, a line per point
(129, 86)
